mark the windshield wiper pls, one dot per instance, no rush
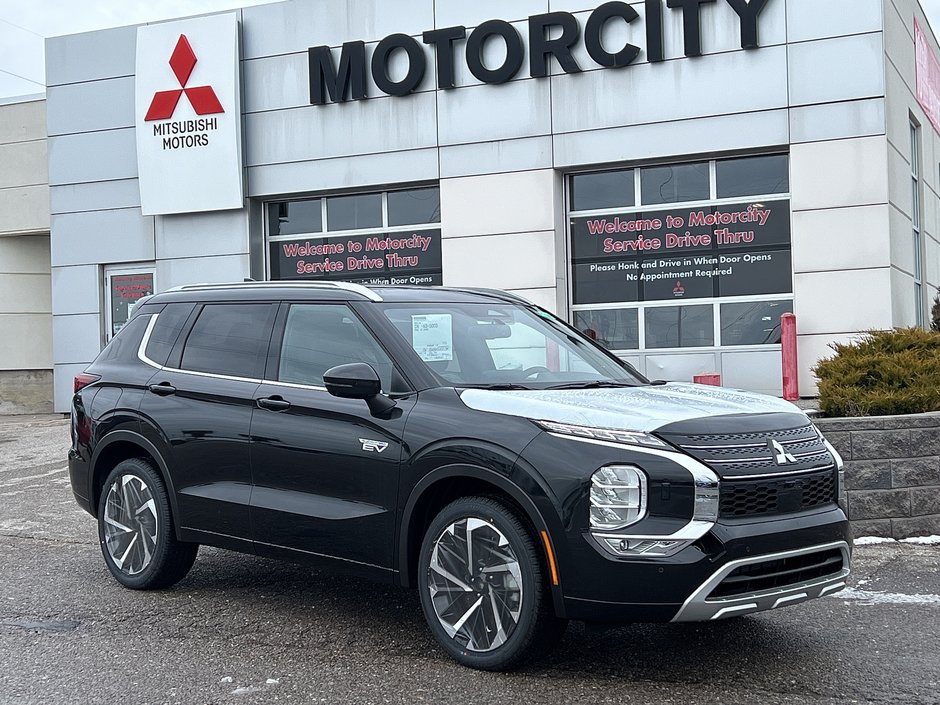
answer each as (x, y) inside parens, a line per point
(596, 384)
(499, 386)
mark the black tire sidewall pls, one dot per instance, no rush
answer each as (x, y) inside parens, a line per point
(517, 647)
(153, 573)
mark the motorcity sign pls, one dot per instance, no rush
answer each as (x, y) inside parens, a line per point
(737, 249)
(188, 116)
(551, 34)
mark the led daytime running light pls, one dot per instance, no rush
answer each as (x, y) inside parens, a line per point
(611, 435)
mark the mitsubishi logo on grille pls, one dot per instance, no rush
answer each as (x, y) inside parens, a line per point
(781, 455)
(202, 98)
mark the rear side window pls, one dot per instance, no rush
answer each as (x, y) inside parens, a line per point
(166, 330)
(230, 339)
(123, 347)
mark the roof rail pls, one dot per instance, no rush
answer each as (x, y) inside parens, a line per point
(344, 286)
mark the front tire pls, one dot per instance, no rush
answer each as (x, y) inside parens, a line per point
(135, 528)
(483, 586)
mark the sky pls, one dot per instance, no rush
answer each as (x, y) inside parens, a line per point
(24, 24)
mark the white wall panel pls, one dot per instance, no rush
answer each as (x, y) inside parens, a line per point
(100, 195)
(24, 209)
(756, 371)
(833, 121)
(23, 164)
(810, 350)
(448, 13)
(904, 300)
(200, 234)
(25, 293)
(409, 166)
(289, 27)
(817, 19)
(76, 338)
(666, 139)
(358, 127)
(547, 298)
(839, 173)
(202, 270)
(63, 381)
(673, 90)
(95, 105)
(497, 261)
(26, 341)
(76, 289)
(483, 113)
(92, 156)
(23, 121)
(842, 302)
(101, 237)
(837, 69)
(498, 203)
(28, 254)
(841, 238)
(91, 56)
(496, 157)
(680, 367)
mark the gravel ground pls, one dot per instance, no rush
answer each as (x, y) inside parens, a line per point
(241, 629)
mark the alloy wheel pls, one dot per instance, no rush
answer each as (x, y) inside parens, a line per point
(130, 524)
(475, 583)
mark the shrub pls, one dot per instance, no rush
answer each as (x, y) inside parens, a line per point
(884, 373)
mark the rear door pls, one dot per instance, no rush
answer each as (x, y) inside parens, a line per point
(200, 402)
(325, 470)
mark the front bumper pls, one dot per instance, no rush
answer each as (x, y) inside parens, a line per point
(702, 606)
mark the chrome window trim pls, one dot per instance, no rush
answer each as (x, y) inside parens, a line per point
(771, 475)
(343, 286)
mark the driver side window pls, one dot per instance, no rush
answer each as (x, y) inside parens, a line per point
(320, 336)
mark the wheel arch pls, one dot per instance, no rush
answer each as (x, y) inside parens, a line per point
(120, 445)
(447, 483)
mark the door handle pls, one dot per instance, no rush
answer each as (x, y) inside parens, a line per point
(275, 403)
(164, 389)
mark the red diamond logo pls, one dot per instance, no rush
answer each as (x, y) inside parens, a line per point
(202, 98)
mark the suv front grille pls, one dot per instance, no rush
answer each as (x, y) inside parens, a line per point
(780, 495)
(779, 573)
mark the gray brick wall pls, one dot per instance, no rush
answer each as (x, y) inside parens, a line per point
(892, 472)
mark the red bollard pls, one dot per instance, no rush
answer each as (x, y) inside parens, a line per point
(791, 379)
(712, 380)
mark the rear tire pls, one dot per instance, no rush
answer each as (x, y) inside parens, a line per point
(136, 531)
(484, 588)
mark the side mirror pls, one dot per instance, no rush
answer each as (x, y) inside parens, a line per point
(358, 380)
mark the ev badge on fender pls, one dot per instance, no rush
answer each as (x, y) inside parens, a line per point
(781, 456)
(373, 446)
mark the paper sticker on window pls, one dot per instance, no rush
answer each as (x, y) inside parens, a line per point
(432, 337)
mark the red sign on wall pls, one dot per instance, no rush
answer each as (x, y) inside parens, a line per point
(928, 76)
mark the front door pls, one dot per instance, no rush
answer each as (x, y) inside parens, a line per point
(325, 470)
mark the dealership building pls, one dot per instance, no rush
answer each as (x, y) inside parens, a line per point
(670, 176)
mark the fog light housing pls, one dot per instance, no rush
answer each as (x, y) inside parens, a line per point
(618, 497)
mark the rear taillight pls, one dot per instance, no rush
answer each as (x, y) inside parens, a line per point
(84, 379)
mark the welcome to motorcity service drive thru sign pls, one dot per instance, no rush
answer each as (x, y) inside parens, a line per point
(188, 116)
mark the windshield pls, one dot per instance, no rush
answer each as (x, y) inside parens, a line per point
(504, 345)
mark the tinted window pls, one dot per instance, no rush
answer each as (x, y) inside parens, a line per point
(318, 337)
(230, 339)
(414, 207)
(680, 327)
(675, 184)
(123, 347)
(351, 212)
(166, 330)
(615, 330)
(753, 176)
(753, 323)
(612, 189)
(295, 217)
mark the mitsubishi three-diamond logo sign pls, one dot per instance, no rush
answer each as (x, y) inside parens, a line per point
(188, 116)
(202, 98)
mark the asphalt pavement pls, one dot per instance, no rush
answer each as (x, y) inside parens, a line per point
(241, 629)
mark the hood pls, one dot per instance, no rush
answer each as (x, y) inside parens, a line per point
(628, 408)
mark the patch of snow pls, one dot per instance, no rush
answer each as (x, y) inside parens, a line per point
(923, 540)
(873, 597)
(872, 540)
(272, 681)
(246, 690)
(227, 679)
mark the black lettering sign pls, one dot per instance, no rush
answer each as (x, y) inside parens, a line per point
(329, 83)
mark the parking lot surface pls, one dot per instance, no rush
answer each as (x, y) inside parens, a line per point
(241, 629)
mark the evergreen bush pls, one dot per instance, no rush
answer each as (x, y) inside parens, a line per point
(885, 373)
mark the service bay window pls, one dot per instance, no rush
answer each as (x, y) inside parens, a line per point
(390, 237)
(679, 256)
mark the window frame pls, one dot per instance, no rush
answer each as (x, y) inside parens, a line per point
(116, 270)
(917, 239)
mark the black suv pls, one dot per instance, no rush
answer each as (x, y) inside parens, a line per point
(463, 442)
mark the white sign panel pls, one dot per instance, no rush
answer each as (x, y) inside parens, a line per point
(432, 337)
(188, 112)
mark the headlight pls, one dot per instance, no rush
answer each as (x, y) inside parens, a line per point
(637, 438)
(618, 497)
(840, 467)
